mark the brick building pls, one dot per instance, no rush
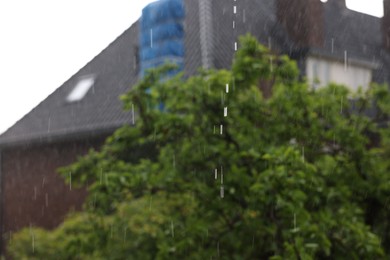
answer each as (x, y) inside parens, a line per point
(328, 41)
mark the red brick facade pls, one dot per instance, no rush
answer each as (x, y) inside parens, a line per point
(33, 193)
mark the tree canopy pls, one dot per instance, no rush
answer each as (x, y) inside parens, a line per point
(212, 169)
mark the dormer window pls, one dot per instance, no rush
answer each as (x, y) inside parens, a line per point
(80, 90)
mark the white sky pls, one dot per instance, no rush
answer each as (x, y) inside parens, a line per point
(45, 42)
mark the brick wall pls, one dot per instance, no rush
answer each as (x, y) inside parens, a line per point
(33, 193)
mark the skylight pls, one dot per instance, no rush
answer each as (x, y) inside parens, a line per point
(81, 89)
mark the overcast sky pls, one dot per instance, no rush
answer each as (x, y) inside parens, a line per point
(44, 42)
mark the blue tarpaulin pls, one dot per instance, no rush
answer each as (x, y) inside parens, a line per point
(162, 34)
(163, 49)
(160, 12)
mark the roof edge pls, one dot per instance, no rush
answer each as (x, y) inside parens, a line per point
(10, 140)
(60, 136)
(361, 62)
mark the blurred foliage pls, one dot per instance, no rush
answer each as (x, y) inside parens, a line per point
(305, 172)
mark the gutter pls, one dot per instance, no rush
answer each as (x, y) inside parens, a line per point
(298, 53)
(58, 137)
(340, 57)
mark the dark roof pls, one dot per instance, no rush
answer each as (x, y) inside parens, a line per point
(344, 30)
(100, 111)
(255, 17)
(358, 34)
(192, 59)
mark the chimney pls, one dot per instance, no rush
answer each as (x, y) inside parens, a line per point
(386, 24)
(303, 21)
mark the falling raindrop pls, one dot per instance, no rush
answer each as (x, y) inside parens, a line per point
(33, 242)
(132, 114)
(345, 60)
(227, 88)
(234, 24)
(269, 43)
(295, 221)
(332, 45)
(151, 38)
(70, 180)
(234, 9)
(221, 178)
(216, 173)
(222, 192)
(172, 229)
(235, 46)
(124, 235)
(221, 129)
(225, 112)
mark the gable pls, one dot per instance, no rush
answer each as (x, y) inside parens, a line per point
(98, 109)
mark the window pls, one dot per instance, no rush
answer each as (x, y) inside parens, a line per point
(81, 89)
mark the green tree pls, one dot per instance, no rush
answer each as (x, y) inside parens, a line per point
(302, 174)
